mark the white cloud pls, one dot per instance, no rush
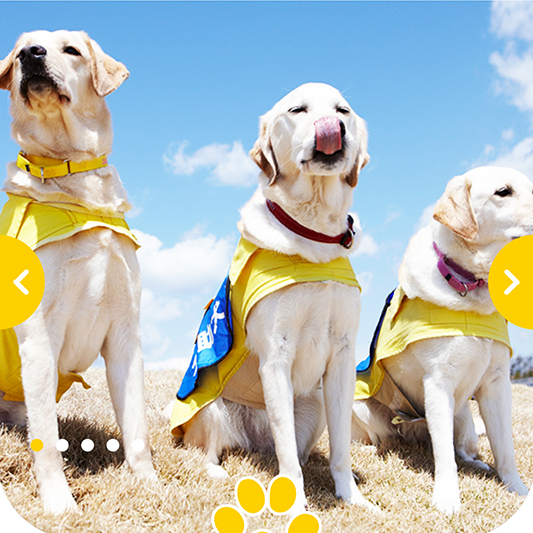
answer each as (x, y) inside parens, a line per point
(520, 157)
(489, 149)
(154, 342)
(508, 135)
(426, 217)
(188, 265)
(160, 307)
(175, 281)
(392, 216)
(135, 211)
(516, 73)
(512, 20)
(230, 165)
(367, 246)
(365, 280)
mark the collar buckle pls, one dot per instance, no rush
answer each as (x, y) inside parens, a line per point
(347, 239)
(462, 293)
(447, 267)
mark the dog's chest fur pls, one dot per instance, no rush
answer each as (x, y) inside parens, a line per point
(91, 278)
(460, 363)
(304, 327)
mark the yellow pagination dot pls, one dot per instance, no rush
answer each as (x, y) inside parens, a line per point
(251, 495)
(281, 494)
(36, 445)
(305, 523)
(21, 282)
(227, 519)
(514, 300)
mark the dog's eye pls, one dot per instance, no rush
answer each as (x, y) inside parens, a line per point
(298, 109)
(71, 50)
(343, 110)
(504, 191)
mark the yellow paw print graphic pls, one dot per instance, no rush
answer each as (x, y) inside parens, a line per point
(252, 498)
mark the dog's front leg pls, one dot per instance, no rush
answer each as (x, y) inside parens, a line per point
(339, 387)
(494, 398)
(466, 439)
(125, 378)
(440, 404)
(39, 378)
(279, 401)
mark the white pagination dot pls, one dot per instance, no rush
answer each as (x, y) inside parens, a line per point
(138, 445)
(112, 445)
(62, 445)
(87, 445)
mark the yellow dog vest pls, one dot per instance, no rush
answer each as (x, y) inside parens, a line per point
(36, 224)
(254, 274)
(410, 320)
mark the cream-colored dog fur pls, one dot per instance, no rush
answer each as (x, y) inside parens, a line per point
(304, 336)
(93, 285)
(479, 213)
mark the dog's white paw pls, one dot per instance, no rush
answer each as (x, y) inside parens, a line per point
(141, 465)
(148, 473)
(352, 495)
(480, 464)
(216, 471)
(363, 502)
(471, 460)
(448, 504)
(300, 506)
(516, 485)
(58, 502)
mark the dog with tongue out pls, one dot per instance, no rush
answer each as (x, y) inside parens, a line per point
(329, 133)
(274, 359)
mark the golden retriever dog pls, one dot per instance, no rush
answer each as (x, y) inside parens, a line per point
(57, 82)
(446, 267)
(300, 338)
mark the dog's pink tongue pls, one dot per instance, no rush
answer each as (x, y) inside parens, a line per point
(328, 135)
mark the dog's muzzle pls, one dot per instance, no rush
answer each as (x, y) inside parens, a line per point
(35, 75)
(33, 53)
(329, 134)
(329, 140)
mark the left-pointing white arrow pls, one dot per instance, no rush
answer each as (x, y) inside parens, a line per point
(18, 283)
(515, 282)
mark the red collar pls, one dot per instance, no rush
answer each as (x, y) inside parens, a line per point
(344, 239)
(446, 265)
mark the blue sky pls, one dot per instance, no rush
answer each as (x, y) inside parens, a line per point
(443, 87)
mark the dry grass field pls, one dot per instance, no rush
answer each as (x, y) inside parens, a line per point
(397, 478)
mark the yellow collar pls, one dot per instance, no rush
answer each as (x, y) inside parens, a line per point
(46, 167)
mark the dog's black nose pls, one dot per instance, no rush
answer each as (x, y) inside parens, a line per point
(343, 129)
(32, 52)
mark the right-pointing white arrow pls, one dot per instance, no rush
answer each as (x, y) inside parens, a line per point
(514, 283)
(18, 283)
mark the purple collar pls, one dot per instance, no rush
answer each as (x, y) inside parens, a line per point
(447, 265)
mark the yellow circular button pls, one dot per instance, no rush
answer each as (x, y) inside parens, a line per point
(511, 282)
(21, 282)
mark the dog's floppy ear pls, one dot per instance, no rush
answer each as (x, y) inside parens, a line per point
(107, 73)
(454, 210)
(263, 154)
(5, 70)
(362, 157)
